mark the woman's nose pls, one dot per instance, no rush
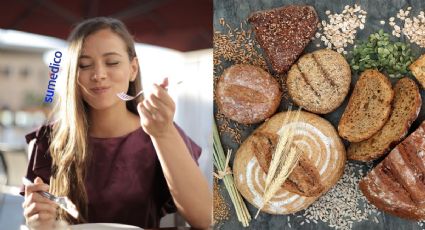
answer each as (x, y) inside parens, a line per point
(99, 73)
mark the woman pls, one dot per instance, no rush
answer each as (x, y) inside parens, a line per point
(121, 162)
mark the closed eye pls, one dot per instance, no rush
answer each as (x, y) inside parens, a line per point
(112, 63)
(84, 66)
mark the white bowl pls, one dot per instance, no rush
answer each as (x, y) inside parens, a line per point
(102, 226)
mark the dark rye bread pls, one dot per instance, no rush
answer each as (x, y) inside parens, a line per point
(284, 32)
(397, 184)
(303, 180)
(368, 108)
(406, 106)
(247, 94)
(319, 81)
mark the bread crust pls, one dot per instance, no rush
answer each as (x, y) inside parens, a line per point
(247, 94)
(321, 144)
(319, 81)
(284, 32)
(406, 106)
(418, 70)
(396, 185)
(368, 108)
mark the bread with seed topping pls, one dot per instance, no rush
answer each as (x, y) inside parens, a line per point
(406, 106)
(319, 81)
(284, 32)
(368, 108)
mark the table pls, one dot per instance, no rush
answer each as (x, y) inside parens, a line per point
(236, 11)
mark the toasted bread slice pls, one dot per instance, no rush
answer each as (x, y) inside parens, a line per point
(406, 106)
(368, 108)
(418, 70)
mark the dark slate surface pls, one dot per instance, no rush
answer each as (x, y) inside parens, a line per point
(236, 11)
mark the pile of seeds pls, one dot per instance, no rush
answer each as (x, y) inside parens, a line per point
(413, 28)
(221, 211)
(234, 45)
(340, 29)
(379, 52)
(344, 204)
(237, 46)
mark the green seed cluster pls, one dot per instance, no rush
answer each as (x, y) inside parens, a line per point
(378, 52)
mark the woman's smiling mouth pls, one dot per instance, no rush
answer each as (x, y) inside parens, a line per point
(100, 90)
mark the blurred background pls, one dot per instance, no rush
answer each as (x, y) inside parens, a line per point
(174, 40)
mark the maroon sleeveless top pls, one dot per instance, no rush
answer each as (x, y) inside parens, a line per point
(125, 183)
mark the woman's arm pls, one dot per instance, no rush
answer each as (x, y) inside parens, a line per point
(187, 185)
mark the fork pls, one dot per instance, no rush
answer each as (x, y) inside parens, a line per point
(125, 97)
(62, 201)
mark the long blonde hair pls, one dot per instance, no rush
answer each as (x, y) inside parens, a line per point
(69, 145)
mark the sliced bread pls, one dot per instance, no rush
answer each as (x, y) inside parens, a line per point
(406, 106)
(418, 70)
(368, 108)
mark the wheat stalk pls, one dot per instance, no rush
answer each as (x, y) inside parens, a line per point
(284, 160)
(220, 162)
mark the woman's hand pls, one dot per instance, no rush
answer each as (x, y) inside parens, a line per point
(39, 212)
(157, 111)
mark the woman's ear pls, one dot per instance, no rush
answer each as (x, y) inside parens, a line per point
(134, 65)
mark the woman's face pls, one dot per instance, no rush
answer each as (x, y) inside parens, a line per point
(104, 69)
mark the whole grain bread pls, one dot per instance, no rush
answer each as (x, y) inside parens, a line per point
(284, 32)
(406, 106)
(319, 81)
(247, 94)
(368, 108)
(303, 180)
(397, 185)
(418, 70)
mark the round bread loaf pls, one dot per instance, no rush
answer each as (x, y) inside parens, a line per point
(321, 145)
(247, 94)
(319, 81)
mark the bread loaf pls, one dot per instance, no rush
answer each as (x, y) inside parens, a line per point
(368, 108)
(319, 81)
(304, 179)
(397, 184)
(247, 94)
(322, 150)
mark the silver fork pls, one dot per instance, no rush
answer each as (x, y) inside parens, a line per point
(125, 97)
(62, 201)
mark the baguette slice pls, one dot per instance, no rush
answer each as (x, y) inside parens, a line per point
(368, 108)
(406, 106)
(418, 70)
(303, 180)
